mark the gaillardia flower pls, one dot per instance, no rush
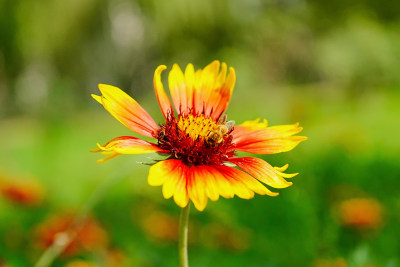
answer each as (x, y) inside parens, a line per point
(200, 143)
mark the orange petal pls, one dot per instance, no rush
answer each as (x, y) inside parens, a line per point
(207, 86)
(256, 137)
(220, 99)
(189, 81)
(213, 89)
(263, 171)
(126, 110)
(206, 91)
(126, 145)
(198, 102)
(177, 88)
(162, 97)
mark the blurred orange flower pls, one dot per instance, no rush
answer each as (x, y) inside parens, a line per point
(3, 263)
(86, 235)
(338, 262)
(111, 258)
(116, 258)
(156, 223)
(161, 225)
(361, 213)
(21, 191)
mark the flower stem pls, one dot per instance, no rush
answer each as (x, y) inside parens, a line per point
(183, 236)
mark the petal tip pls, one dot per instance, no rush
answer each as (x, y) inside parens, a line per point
(200, 208)
(101, 85)
(160, 69)
(175, 67)
(180, 203)
(104, 88)
(98, 149)
(97, 98)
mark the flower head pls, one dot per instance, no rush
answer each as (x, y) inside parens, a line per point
(89, 235)
(27, 192)
(198, 138)
(361, 213)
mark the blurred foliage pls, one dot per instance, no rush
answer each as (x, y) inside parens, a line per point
(334, 66)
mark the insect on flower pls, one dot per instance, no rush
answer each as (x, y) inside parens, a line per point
(198, 139)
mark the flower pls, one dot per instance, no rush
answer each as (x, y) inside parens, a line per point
(337, 262)
(87, 235)
(198, 139)
(160, 225)
(361, 213)
(27, 192)
(3, 263)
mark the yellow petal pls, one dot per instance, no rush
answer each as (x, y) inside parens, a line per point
(162, 97)
(211, 187)
(169, 186)
(126, 145)
(196, 188)
(252, 183)
(225, 189)
(126, 110)
(160, 171)
(237, 186)
(262, 171)
(181, 196)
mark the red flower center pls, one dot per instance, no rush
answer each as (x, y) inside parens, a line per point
(197, 140)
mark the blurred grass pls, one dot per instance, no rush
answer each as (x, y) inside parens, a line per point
(333, 67)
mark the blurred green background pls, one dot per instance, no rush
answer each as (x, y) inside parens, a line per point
(332, 66)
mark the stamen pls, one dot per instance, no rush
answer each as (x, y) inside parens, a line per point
(196, 139)
(196, 127)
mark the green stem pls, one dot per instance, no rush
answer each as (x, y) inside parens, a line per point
(183, 236)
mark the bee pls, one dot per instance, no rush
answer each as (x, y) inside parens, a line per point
(162, 137)
(161, 134)
(216, 136)
(230, 125)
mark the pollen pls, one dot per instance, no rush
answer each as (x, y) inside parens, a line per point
(198, 126)
(197, 140)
